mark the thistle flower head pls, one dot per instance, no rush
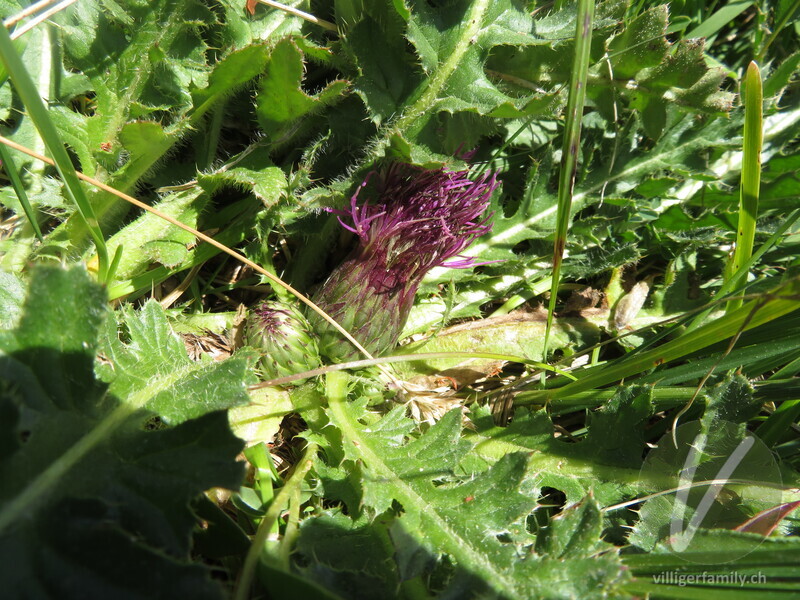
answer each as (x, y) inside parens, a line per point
(284, 337)
(421, 218)
(414, 220)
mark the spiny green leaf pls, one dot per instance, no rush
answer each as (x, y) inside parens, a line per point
(234, 70)
(716, 447)
(153, 368)
(252, 172)
(72, 128)
(677, 151)
(602, 464)
(680, 290)
(780, 76)
(138, 57)
(395, 473)
(95, 501)
(142, 139)
(386, 78)
(534, 216)
(456, 64)
(641, 44)
(12, 294)
(465, 518)
(351, 558)
(732, 401)
(139, 62)
(627, 411)
(144, 232)
(573, 533)
(663, 73)
(574, 537)
(280, 99)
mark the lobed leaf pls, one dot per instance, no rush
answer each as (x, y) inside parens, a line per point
(95, 501)
(281, 100)
(476, 520)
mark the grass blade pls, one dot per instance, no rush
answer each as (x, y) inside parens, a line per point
(751, 171)
(38, 114)
(11, 170)
(569, 152)
(721, 17)
(756, 312)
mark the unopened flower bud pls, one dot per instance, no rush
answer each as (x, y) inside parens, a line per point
(283, 335)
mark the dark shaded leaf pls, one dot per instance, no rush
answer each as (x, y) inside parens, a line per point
(95, 501)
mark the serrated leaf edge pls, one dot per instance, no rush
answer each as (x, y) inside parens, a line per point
(460, 549)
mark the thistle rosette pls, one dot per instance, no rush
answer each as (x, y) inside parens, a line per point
(283, 335)
(415, 219)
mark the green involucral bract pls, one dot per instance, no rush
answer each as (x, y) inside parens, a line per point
(283, 336)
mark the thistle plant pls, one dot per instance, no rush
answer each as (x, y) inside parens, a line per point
(413, 220)
(283, 335)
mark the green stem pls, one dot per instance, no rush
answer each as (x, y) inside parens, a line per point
(570, 148)
(663, 398)
(11, 170)
(242, 591)
(291, 531)
(778, 27)
(211, 140)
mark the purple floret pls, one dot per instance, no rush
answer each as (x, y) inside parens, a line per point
(422, 218)
(269, 318)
